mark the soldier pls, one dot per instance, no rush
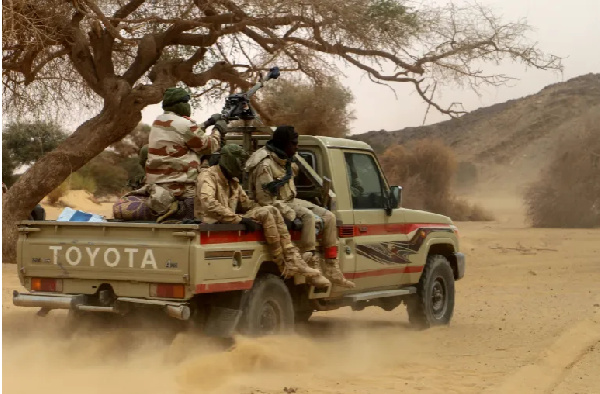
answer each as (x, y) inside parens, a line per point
(221, 199)
(272, 183)
(175, 144)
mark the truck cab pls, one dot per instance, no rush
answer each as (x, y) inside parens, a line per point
(222, 276)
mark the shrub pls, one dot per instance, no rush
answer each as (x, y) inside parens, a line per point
(55, 195)
(426, 171)
(105, 169)
(79, 182)
(568, 191)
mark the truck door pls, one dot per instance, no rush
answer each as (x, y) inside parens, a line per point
(378, 237)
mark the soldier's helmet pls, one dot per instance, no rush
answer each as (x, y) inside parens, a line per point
(233, 158)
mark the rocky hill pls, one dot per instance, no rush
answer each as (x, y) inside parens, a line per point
(512, 139)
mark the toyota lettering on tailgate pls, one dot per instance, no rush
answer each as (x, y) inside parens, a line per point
(111, 256)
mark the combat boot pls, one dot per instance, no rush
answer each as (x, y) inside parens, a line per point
(332, 271)
(313, 261)
(294, 264)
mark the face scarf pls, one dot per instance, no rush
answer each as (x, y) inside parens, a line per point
(181, 109)
(232, 161)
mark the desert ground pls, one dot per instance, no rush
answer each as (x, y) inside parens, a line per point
(527, 320)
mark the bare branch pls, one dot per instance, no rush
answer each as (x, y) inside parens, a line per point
(107, 24)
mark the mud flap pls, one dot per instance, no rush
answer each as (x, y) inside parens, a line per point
(222, 322)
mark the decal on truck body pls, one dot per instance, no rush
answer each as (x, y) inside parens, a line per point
(398, 252)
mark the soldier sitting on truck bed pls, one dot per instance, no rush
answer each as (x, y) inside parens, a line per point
(272, 183)
(221, 199)
(175, 144)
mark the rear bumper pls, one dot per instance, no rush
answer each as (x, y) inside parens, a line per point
(460, 265)
(47, 302)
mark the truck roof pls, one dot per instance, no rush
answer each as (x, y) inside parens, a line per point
(328, 142)
(331, 142)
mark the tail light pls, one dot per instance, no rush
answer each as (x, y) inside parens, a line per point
(46, 284)
(345, 231)
(166, 290)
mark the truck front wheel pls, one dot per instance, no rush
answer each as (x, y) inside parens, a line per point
(268, 307)
(433, 304)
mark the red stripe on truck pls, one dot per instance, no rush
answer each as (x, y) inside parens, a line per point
(226, 237)
(220, 287)
(356, 230)
(387, 271)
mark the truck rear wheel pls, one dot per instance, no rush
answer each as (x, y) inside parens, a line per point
(303, 316)
(268, 308)
(433, 304)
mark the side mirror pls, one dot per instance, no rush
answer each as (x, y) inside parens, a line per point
(394, 198)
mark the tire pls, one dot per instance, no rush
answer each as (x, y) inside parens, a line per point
(433, 304)
(301, 317)
(268, 308)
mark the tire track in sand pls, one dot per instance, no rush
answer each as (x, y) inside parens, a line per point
(552, 366)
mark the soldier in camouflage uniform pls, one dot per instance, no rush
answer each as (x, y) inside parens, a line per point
(221, 199)
(272, 183)
(176, 144)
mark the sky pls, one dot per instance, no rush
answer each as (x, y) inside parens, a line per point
(570, 30)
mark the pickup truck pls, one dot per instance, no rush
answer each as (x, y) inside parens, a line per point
(222, 278)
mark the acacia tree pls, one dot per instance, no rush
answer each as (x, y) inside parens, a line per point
(119, 56)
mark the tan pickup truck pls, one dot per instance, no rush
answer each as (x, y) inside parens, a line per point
(222, 278)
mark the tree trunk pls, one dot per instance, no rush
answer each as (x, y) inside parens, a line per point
(113, 123)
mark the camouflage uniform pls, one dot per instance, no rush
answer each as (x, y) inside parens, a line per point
(222, 200)
(176, 142)
(265, 166)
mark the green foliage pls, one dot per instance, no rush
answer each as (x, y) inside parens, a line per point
(320, 109)
(8, 166)
(27, 142)
(108, 174)
(79, 182)
(391, 17)
(382, 11)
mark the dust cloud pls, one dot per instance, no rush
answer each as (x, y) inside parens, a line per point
(53, 355)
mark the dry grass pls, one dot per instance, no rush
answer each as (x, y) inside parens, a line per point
(568, 191)
(55, 195)
(426, 171)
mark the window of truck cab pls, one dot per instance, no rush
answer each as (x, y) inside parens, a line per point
(302, 181)
(365, 179)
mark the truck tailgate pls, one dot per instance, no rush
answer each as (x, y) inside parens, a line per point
(106, 251)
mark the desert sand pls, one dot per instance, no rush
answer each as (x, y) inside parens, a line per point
(527, 320)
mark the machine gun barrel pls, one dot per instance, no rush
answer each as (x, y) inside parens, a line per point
(273, 74)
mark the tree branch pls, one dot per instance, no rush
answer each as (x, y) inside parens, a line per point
(105, 21)
(81, 57)
(127, 10)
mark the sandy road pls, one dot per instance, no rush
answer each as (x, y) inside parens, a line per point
(527, 320)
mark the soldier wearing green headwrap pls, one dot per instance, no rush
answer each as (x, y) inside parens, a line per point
(221, 199)
(176, 144)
